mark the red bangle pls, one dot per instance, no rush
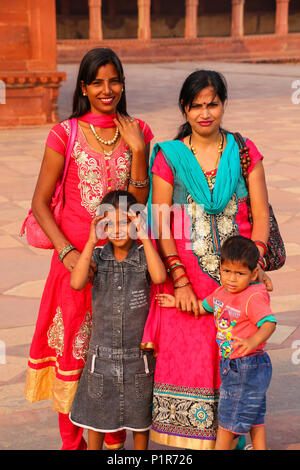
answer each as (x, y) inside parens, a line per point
(176, 267)
(180, 277)
(262, 245)
(261, 263)
(172, 258)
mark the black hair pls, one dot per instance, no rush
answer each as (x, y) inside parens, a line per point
(192, 85)
(87, 73)
(113, 198)
(242, 249)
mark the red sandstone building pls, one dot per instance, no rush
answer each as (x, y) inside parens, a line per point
(35, 34)
(163, 30)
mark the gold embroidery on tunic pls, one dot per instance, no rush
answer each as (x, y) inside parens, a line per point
(91, 185)
(123, 169)
(82, 338)
(56, 333)
(66, 125)
(93, 182)
(202, 237)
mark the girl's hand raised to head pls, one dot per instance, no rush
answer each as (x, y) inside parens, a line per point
(97, 231)
(131, 132)
(139, 222)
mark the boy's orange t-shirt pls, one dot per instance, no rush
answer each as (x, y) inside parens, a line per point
(238, 315)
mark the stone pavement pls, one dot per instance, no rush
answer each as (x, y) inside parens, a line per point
(260, 107)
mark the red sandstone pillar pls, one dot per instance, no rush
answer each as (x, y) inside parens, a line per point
(144, 19)
(28, 71)
(191, 18)
(282, 17)
(237, 18)
(95, 16)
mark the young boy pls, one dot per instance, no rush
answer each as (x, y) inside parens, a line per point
(244, 322)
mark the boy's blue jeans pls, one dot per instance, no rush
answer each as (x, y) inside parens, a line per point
(244, 382)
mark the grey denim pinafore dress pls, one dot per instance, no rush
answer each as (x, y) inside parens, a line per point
(115, 388)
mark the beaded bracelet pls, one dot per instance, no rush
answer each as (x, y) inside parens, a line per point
(65, 251)
(139, 184)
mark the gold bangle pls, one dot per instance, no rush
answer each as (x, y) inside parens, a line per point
(139, 184)
(65, 251)
(182, 285)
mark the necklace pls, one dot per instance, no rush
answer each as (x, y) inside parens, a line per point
(105, 142)
(209, 175)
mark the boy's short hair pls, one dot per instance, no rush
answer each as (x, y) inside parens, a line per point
(114, 198)
(242, 249)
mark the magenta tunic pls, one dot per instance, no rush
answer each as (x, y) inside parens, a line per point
(187, 382)
(60, 343)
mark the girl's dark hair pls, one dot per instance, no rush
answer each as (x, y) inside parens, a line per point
(242, 249)
(87, 73)
(113, 198)
(192, 85)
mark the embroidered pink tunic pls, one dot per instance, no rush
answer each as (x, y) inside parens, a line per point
(61, 338)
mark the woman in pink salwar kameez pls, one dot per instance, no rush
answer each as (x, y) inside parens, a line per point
(110, 152)
(200, 193)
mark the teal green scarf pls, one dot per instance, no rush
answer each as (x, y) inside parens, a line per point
(182, 162)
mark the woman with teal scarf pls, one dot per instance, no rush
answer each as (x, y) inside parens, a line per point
(197, 200)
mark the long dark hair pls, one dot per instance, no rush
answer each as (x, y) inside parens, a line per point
(87, 73)
(192, 85)
(113, 198)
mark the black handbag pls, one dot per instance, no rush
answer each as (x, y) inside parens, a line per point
(276, 254)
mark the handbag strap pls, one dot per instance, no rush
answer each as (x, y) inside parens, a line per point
(69, 148)
(70, 145)
(245, 158)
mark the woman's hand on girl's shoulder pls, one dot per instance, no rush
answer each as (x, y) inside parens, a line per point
(70, 260)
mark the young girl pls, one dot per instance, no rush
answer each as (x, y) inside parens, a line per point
(115, 390)
(244, 322)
